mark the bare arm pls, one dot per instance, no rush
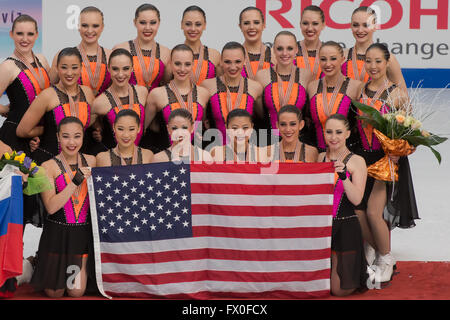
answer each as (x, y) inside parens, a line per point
(394, 73)
(354, 188)
(54, 201)
(28, 126)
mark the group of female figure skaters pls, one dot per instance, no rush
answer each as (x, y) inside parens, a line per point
(142, 102)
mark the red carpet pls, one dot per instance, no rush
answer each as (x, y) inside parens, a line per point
(413, 281)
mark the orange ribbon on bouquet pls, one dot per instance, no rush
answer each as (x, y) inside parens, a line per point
(385, 169)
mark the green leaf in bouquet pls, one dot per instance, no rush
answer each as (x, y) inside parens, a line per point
(436, 154)
(378, 121)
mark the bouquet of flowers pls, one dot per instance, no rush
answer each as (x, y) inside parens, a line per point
(37, 177)
(399, 133)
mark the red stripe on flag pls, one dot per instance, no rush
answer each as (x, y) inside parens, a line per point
(261, 189)
(213, 275)
(269, 233)
(283, 168)
(263, 211)
(204, 295)
(222, 254)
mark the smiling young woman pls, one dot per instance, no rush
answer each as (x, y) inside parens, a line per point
(126, 130)
(206, 60)
(363, 26)
(283, 83)
(66, 98)
(331, 94)
(150, 59)
(231, 90)
(180, 126)
(179, 92)
(312, 23)
(385, 96)
(66, 239)
(290, 123)
(23, 77)
(348, 264)
(94, 72)
(120, 95)
(258, 56)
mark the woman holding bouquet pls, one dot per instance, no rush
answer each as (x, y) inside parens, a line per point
(385, 96)
(348, 264)
(66, 245)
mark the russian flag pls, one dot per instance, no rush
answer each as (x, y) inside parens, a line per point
(11, 226)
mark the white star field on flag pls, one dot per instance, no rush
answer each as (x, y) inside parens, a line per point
(153, 202)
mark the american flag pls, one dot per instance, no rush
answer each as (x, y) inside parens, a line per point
(202, 231)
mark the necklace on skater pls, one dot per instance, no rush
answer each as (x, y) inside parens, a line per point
(237, 102)
(198, 69)
(146, 72)
(39, 76)
(122, 159)
(328, 106)
(248, 65)
(285, 96)
(117, 100)
(68, 170)
(189, 105)
(305, 54)
(94, 77)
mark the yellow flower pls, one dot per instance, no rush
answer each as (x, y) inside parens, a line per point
(20, 158)
(7, 156)
(400, 118)
(33, 165)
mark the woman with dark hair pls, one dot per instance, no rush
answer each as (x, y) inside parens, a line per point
(349, 272)
(206, 60)
(119, 96)
(94, 70)
(231, 90)
(258, 56)
(312, 23)
(385, 96)
(66, 98)
(66, 244)
(240, 143)
(180, 92)
(363, 26)
(180, 126)
(290, 122)
(150, 59)
(283, 83)
(126, 129)
(331, 94)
